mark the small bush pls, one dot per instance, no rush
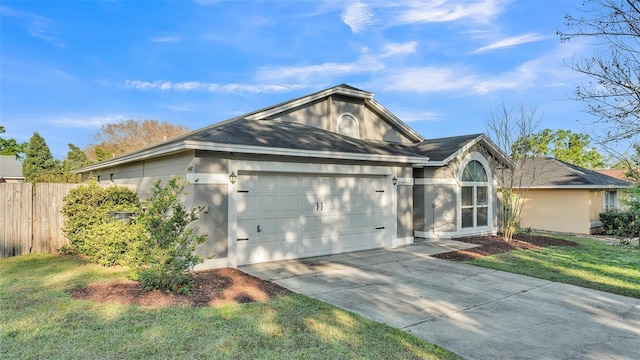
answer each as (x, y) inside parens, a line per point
(89, 223)
(620, 223)
(167, 252)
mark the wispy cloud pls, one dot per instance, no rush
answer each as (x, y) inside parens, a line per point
(37, 26)
(79, 121)
(408, 115)
(393, 49)
(444, 11)
(166, 39)
(210, 87)
(357, 16)
(511, 41)
(207, 2)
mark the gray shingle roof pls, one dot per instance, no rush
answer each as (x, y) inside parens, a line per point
(10, 167)
(442, 148)
(550, 172)
(288, 135)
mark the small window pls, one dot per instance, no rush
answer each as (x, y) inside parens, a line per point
(112, 177)
(348, 125)
(610, 200)
(474, 172)
(99, 178)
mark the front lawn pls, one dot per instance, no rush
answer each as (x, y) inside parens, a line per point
(592, 264)
(39, 320)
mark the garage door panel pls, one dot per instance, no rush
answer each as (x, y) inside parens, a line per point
(302, 216)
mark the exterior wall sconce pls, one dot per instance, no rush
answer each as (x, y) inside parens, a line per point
(394, 180)
(233, 177)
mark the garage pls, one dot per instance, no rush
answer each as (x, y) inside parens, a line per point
(285, 216)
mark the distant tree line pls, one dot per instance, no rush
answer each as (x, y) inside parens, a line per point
(39, 165)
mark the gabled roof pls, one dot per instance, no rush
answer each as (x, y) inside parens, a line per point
(548, 173)
(616, 173)
(441, 151)
(10, 167)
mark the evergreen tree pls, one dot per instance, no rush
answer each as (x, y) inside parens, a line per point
(76, 158)
(38, 161)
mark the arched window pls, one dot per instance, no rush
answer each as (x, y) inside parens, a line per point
(348, 125)
(475, 195)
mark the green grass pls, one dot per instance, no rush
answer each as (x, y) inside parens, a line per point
(39, 320)
(592, 264)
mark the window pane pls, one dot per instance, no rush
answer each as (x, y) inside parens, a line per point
(483, 216)
(467, 217)
(482, 197)
(467, 196)
(474, 171)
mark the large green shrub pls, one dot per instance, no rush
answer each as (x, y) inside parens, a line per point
(620, 223)
(167, 252)
(91, 228)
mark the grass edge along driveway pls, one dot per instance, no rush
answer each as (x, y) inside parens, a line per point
(592, 264)
(38, 319)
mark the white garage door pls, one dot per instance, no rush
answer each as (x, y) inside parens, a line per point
(288, 217)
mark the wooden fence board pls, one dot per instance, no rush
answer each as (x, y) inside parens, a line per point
(16, 224)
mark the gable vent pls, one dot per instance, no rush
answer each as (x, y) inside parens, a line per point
(348, 125)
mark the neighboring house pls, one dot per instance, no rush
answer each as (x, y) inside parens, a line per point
(330, 172)
(616, 173)
(562, 197)
(10, 169)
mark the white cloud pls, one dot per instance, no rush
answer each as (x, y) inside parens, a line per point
(166, 39)
(37, 26)
(357, 16)
(393, 49)
(429, 79)
(407, 115)
(88, 121)
(444, 11)
(210, 87)
(511, 41)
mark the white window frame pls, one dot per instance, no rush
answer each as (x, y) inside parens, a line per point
(488, 185)
(605, 203)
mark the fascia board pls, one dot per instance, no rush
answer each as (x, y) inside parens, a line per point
(145, 154)
(569, 187)
(248, 149)
(489, 144)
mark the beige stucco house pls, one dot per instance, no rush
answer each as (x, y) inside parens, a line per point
(561, 197)
(326, 173)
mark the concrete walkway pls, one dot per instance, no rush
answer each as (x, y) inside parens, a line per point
(475, 312)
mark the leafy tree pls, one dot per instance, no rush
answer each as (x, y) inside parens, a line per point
(38, 163)
(11, 146)
(120, 138)
(613, 95)
(561, 144)
(505, 126)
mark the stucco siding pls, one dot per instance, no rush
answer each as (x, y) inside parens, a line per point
(596, 205)
(405, 211)
(556, 210)
(213, 220)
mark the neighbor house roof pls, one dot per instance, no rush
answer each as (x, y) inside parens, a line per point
(10, 167)
(616, 173)
(544, 173)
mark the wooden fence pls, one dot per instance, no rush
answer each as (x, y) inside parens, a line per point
(30, 218)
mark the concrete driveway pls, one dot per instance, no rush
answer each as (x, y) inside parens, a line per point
(475, 312)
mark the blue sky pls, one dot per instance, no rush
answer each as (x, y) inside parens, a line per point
(441, 66)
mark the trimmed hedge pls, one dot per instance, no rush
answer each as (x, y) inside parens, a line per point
(620, 223)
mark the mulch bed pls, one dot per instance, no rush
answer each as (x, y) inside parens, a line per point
(490, 245)
(223, 286)
(212, 288)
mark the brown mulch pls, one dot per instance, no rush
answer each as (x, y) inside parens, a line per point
(223, 286)
(212, 288)
(490, 245)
